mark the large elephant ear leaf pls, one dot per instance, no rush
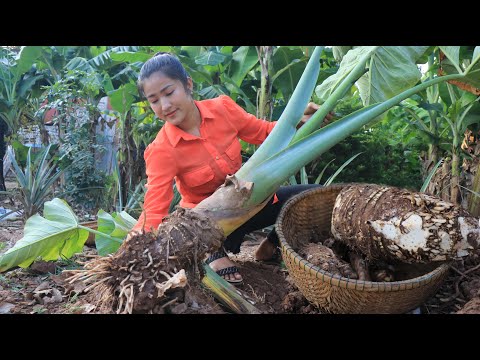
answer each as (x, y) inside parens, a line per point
(122, 98)
(349, 61)
(116, 227)
(461, 60)
(340, 51)
(450, 60)
(27, 58)
(392, 70)
(476, 55)
(453, 54)
(48, 238)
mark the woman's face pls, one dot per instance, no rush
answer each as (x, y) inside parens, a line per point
(168, 98)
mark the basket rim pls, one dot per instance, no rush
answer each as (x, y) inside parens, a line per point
(341, 281)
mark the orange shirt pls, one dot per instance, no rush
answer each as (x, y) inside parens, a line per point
(198, 165)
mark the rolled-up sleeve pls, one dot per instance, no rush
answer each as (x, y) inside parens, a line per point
(249, 127)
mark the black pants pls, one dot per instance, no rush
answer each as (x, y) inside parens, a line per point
(265, 217)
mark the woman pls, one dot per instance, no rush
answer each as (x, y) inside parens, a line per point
(197, 148)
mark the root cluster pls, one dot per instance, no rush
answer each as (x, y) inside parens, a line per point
(149, 271)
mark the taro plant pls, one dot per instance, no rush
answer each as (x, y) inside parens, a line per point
(183, 239)
(442, 114)
(161, 260)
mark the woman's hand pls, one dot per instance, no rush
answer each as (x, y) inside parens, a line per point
(131, 234)
(309, 111)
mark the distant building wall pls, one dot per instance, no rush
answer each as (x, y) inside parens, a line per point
(30, 135)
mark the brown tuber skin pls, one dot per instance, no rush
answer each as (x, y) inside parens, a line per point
(360, 266)
(388, 223)
(326, 259)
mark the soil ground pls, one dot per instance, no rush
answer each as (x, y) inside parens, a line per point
(40, 289)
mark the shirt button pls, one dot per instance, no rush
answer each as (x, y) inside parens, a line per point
(216, 157)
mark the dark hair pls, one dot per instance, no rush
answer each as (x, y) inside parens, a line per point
(166, 63)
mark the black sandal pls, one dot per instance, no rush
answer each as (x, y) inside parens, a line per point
(226, 271)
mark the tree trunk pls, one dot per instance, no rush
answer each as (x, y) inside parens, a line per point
(265, 104)
(44, 137)
(455, 184)
(474, 200)
(445, 179)
(3, 147)
(456, 158)
(429, 163)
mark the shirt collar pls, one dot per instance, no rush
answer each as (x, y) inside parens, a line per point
(174, 134)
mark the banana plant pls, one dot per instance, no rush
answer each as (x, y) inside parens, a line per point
(457, 118)
(16, 82)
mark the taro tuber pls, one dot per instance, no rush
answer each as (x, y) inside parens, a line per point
(388, 223)
(324, 257)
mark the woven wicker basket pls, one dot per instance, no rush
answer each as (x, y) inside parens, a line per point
(310, 212)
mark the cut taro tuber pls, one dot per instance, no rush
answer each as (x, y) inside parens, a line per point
(389, 223)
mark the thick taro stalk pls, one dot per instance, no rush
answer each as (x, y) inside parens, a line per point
(390, 223)
(142, 276)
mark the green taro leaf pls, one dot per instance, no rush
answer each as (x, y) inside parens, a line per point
(349, 61)
(392, 69)
(473, 71)
(55, 236)
(452, 53)
(192, 51)
(117, 226)
(27, 57)
(340, 51)
(476, 54)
